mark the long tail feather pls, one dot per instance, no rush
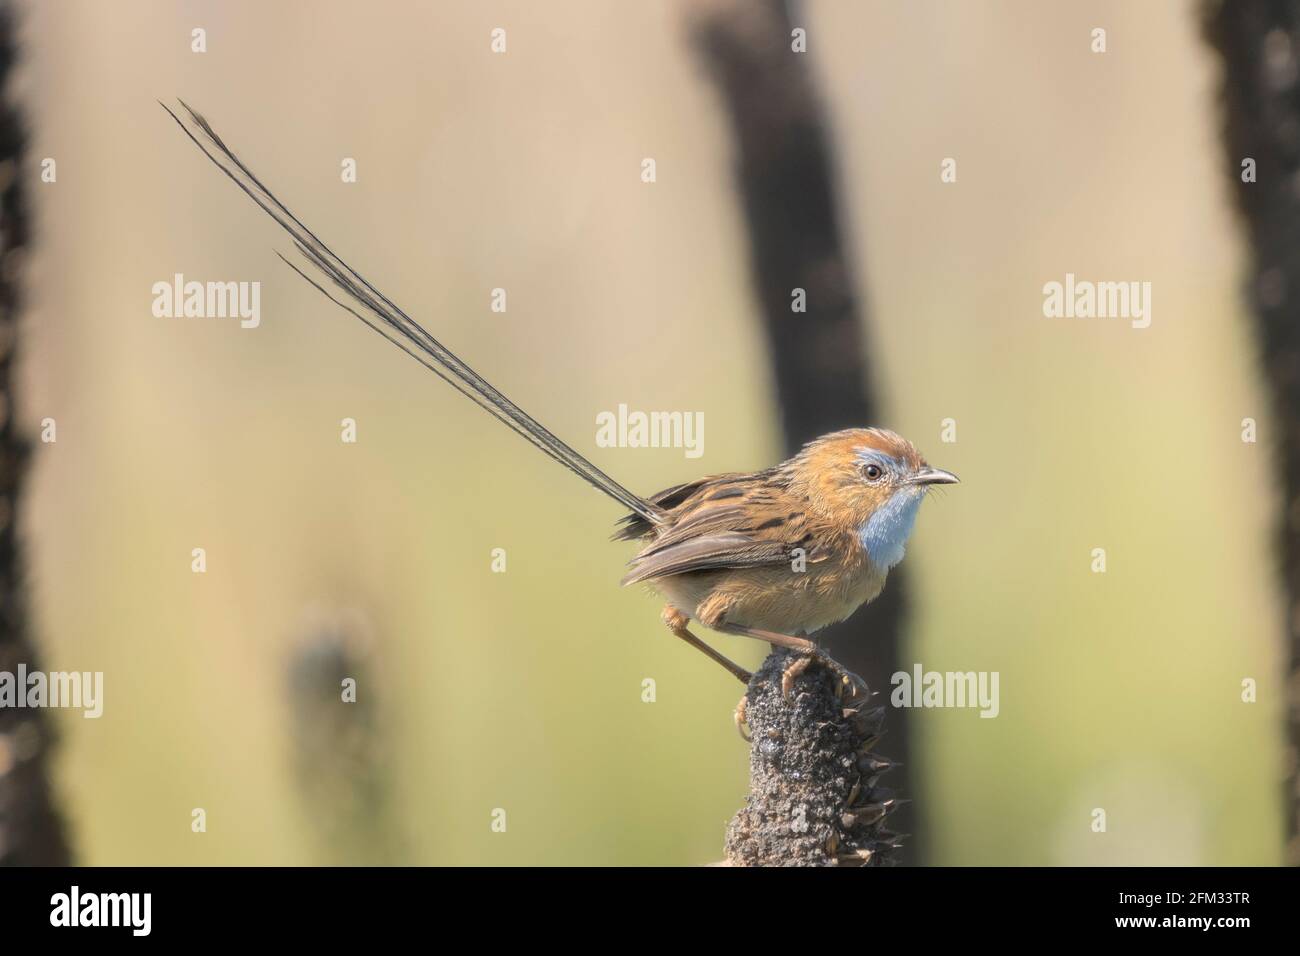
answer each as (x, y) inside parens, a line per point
(379, 312)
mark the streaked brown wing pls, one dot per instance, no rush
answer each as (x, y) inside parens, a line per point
(711, 552)
(634, 526)
(733, 521)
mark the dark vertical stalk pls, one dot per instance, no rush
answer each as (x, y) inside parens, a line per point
(31, 830)
(819, 360)
(341, 754)
(1258, 41)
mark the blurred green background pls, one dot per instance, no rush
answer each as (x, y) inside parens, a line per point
(522, 690)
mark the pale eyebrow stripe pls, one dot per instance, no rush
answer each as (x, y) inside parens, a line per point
(866, 455)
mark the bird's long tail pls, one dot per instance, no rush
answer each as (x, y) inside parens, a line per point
(378, 312)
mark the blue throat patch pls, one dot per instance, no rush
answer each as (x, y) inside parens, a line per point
(885, 533)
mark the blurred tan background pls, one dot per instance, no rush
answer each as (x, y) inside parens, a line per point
(522, 690)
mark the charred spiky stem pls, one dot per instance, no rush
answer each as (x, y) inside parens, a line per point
(815, 797)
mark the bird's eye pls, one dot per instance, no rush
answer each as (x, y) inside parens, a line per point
(873, 472)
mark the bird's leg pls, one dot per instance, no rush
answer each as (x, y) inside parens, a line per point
(851, 683)
(676, 622)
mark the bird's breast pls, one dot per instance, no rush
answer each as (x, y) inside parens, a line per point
(884, 535)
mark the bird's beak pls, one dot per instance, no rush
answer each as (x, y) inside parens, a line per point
(934, 476)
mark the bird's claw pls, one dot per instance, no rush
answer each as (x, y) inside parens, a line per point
(791, 673)
(851, 686)
(739, 717)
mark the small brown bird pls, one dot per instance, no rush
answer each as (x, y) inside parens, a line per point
(774, 555)
(779, 554)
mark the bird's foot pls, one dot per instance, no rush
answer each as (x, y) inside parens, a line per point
(791, 673)
(848, 684)
(739, 716)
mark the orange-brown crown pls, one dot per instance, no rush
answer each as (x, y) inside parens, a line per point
(832, 471)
